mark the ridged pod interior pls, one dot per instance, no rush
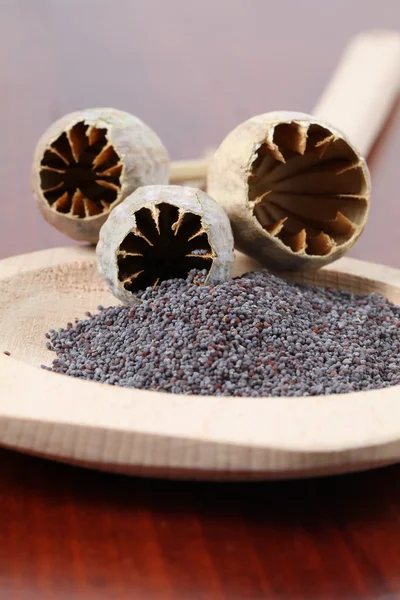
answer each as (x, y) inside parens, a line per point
(294, 187)
(87, 162)
(166, 243)
(163, 232)
(307, 188)
(80, 172)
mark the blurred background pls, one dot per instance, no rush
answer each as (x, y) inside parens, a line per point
(191, 70)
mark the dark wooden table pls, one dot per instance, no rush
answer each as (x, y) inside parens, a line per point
(192, 72)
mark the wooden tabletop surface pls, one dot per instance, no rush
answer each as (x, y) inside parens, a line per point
(192, 72)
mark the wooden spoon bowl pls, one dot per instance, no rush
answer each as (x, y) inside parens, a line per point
(152, 433)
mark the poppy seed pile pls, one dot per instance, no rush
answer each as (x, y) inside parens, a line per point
(256, 335)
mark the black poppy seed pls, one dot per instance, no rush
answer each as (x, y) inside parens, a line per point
(256, 335)
(7, 353)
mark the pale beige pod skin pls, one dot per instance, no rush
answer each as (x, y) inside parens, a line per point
(162, 232)
(295, 189)
(87, 162)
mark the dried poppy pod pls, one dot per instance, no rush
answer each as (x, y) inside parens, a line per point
(88, 162)
(162, 232)
(295, 189)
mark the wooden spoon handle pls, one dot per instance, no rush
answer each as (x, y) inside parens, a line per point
(363, 88)
(188, 170)
(357, 100)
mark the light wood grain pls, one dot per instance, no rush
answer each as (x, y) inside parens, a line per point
(135, 431)
(363, 88)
